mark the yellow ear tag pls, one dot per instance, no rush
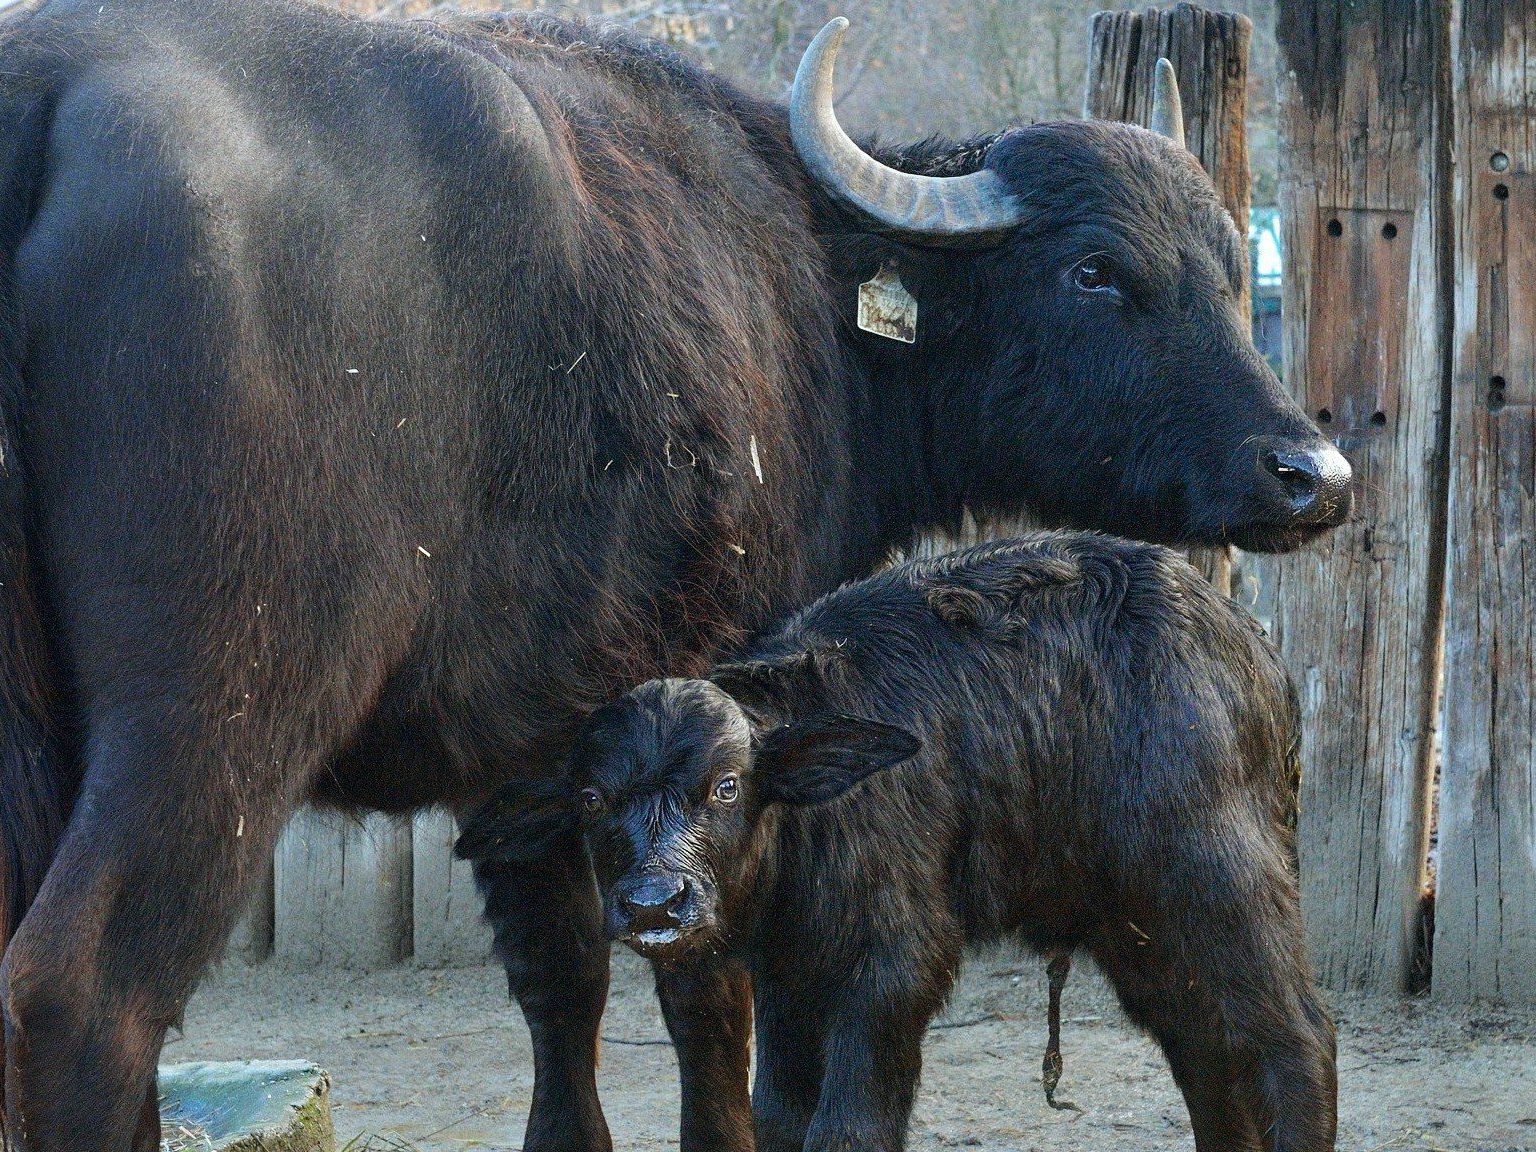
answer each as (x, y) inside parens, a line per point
(886, 308)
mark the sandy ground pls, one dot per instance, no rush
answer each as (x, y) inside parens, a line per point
(439, 1061)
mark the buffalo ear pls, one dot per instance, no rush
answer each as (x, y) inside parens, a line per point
(763, 686)
(818, 759)
(525, 823)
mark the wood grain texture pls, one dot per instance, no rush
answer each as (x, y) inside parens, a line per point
(1358, 616)
(251, 941)
(342, 891)
(1485, 919)
(446, 923)
(1209, 53)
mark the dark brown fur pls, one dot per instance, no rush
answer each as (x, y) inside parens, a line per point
(379, 397)
(1104, 761)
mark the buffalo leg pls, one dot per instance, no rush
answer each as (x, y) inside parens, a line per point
(707, 1003)
(869, 1084)
(549, 935)
(787, 1086)
(147, 1138)
(1214, 967)
(1189, 1033)
(873, 1054)
(166, 838)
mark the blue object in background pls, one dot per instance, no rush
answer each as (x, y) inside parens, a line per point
(245, 1106)
(1266, 262)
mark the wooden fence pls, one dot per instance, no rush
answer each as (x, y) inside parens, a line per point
(1410, 219)
(1409, 204)
(366, 893)
(1485, 925)
(1359, 617)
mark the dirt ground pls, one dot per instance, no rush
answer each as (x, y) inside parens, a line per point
(439, 1061)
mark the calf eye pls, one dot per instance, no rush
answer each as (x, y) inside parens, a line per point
(1095, 274)
(727, 789)
(591, 801)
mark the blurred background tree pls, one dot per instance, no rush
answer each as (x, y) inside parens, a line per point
(949, 67)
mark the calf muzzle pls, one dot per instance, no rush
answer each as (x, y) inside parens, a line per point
(652, 909)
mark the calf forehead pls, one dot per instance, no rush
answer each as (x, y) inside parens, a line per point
(668, 732)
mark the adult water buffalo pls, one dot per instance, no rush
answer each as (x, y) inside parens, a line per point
(380, 397)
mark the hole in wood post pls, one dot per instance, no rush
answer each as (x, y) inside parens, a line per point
(1324, 416)
(1499, 162)
(1495, 392)
(1501, 191)
(1378, 418)
(1335, 228)
(1357, 316)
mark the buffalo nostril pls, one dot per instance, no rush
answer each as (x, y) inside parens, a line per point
(1316, 481)
(1296, 472)
(657, 898)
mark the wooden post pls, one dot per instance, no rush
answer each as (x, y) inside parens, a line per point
(251, 941)
(343, 891)
(449, 932)
(1209, 53)
(1485, 911)
(1358, 616)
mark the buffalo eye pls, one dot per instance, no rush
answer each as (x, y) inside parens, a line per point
(591, 801)
(727, 789)
(1095, 275)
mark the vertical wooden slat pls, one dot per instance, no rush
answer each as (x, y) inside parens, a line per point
(1485, 914)
(449, 932)
(251, 941)
(343, 891)
(1209, 53)
(1358, 615)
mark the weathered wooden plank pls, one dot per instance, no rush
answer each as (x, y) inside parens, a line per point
(446, 922)
(1355, 355)
(1485, 914)
(1209, 52)
(251, 941)
(1358, 616)
(343, 891)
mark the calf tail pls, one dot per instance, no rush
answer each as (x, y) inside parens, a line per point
(35, 793)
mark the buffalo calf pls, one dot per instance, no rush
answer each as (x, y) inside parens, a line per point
(1087, 748)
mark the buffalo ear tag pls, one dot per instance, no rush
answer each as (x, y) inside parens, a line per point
(886, 308)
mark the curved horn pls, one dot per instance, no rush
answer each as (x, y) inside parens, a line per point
(927, 209)
(1167, 109)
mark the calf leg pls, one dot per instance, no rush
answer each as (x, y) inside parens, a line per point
(549, 934)
(870, 1080)
(1188, 1028)
(873, 1048)
(1213, 963)
(789, 1071)
(707, 1003)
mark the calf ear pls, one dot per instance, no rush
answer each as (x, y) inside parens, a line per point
(765, 686)
(524, 823)
(774, 687)
(815, 760)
